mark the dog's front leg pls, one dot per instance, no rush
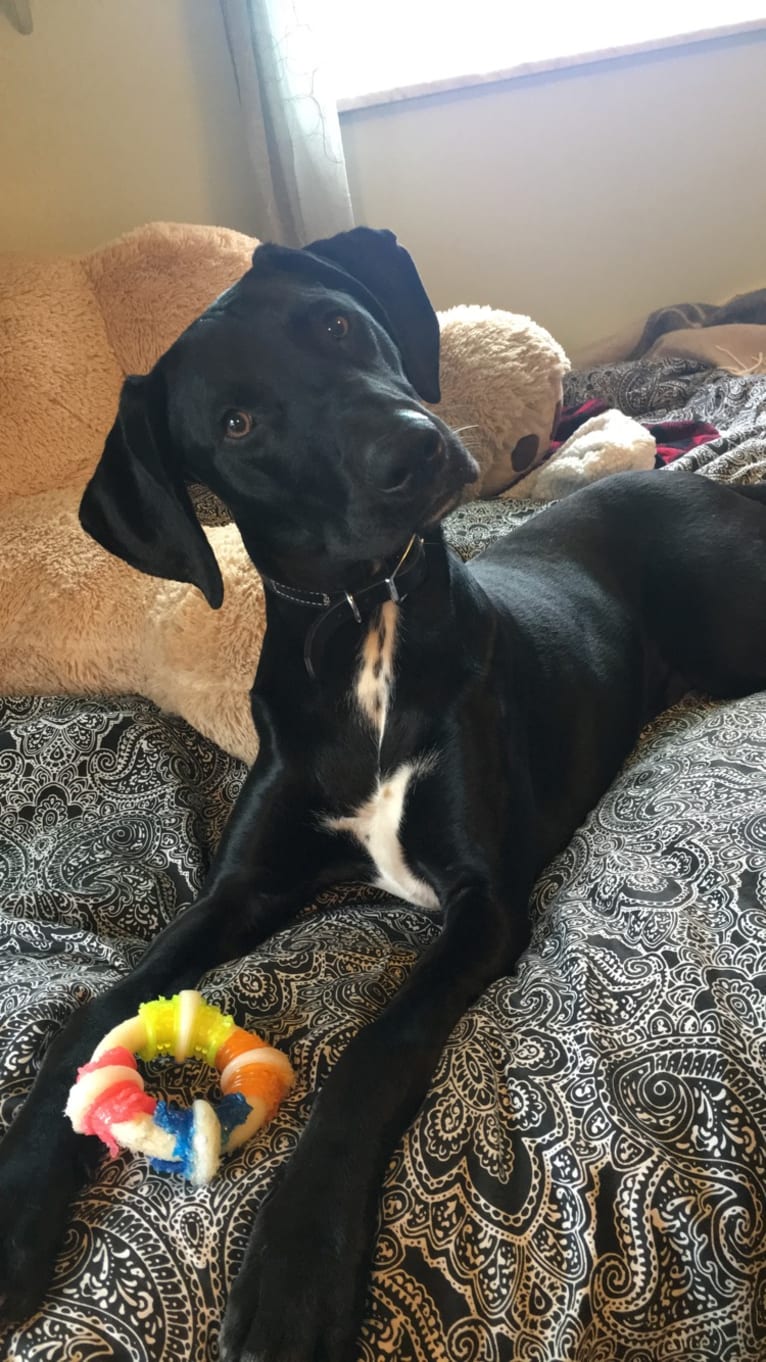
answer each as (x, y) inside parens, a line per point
(300, 1292)
(257, 883)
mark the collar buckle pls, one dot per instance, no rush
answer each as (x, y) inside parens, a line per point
(393, 594)
(355, 611)
(411, 566)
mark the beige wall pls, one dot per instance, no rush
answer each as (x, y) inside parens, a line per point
(583, 198)
(113, 112)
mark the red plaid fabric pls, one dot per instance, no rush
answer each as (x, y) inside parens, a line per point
(673, 437)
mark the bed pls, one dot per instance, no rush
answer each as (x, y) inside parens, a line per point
(586, 1181)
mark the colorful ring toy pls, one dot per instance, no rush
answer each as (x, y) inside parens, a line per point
(108, 1098)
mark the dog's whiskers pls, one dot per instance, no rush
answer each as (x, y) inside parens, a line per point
(473, 437)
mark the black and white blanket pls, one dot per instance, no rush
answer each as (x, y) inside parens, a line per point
(586, 1181)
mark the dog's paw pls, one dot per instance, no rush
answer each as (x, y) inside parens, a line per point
(300, 1292)
(29, 1242)
(36, 1188)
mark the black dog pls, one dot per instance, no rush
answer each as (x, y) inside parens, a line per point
(440, 729)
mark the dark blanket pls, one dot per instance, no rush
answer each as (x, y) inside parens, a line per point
(746, 308)
(586, 1181)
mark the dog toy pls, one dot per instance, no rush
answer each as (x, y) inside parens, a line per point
(108, 1098)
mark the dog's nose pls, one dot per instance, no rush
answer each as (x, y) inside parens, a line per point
(414, 448)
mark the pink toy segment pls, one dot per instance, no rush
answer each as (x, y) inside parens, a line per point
(121, 1102)
(117, 1056)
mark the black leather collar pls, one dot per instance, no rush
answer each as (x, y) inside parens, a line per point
(342, 607)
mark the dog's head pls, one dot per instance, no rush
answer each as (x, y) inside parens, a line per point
(298, 398)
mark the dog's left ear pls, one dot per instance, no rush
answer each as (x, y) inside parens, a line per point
(372, 266)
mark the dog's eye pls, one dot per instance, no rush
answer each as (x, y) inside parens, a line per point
(237, 424)
(338, 326)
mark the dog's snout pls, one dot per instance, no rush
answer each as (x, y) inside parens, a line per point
(412, 448)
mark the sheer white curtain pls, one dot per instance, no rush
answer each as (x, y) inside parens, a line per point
(300, 187)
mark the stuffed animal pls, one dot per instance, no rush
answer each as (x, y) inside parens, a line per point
(502, 389)
(76, 620)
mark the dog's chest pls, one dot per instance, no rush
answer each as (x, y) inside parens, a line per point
(375, 678)
(376, 822)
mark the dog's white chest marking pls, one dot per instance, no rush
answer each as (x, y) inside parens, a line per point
(376, 823)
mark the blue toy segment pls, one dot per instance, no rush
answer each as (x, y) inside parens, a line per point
(232, 1111)
(179, 1121)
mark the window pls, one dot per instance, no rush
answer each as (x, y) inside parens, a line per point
(401, 44)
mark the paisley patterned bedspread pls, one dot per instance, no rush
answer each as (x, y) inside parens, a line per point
(586, 1181)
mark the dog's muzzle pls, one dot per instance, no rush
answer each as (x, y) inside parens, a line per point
(408, 457)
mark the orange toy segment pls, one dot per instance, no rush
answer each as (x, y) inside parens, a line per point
(256, 1080)
(236, 1044)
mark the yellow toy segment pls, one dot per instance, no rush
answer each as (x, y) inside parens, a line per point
(160, 1019)
(210, 1030)
(207, 1031)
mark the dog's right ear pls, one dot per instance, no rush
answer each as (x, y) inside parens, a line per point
(136, 504)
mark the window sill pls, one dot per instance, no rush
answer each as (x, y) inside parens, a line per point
(538, 68)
